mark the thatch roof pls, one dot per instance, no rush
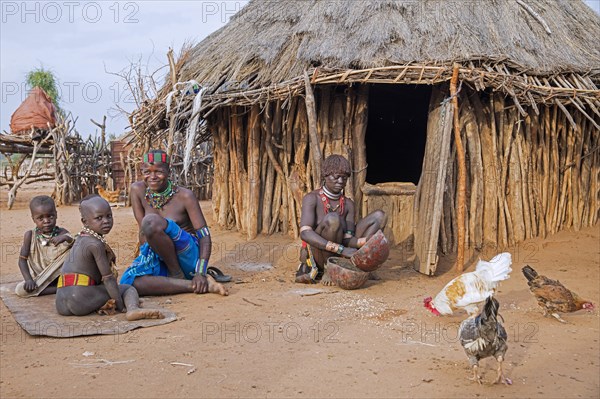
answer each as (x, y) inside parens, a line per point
(269, 42)
(536, 51)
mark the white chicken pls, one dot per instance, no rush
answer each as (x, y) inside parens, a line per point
(469, 289)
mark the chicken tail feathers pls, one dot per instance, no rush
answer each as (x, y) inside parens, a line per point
(497, 269)
(490, 309)
(529, 273)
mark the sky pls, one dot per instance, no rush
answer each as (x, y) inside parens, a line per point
(82, 41)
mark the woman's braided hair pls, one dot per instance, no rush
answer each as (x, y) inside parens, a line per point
(335, 164)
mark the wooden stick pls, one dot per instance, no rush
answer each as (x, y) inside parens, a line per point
(567, 114)
(509, 118)
(267, 126)
(535, 15)
(311, 114)
(254, 180)
(276, 205)
(557, 126)
(536, 167)
(515, 184)
(12, 193)
(359, 148)
(462, 175)
(475, 214)
(324, 112)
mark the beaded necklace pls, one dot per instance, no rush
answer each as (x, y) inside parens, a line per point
(326, 196)
(159, 200)
(112, 258)
(92, 233)
(45, 238)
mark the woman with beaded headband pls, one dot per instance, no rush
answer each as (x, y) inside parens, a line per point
(175, 240)
(327, 226)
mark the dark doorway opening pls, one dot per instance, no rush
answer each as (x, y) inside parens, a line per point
(396, 132)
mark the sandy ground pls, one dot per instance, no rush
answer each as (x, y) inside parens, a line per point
(273, 338)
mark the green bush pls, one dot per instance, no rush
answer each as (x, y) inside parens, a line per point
(44, 79)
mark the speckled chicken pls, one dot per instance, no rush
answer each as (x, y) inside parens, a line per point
(484, 336)
(552, 296)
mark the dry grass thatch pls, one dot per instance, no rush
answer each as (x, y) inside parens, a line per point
(273, 41)
(535, 51)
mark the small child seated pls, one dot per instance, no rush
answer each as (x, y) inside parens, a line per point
(88, 282)
(43, 251)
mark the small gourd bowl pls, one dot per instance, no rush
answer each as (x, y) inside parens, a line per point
(371, 255)
(344, 274)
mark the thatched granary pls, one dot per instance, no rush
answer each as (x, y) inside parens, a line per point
(36, 116)
(290, 82)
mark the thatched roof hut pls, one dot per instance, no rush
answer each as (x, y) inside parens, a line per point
(289, 82)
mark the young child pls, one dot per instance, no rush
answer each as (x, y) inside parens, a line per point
(43, 251)
(88, 282)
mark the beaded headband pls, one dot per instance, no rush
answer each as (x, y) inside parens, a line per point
(156, 157)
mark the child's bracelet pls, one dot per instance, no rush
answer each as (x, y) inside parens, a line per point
(340, 249)
(23, 257)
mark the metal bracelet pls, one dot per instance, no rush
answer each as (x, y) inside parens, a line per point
(331, 246)
(203, 232)
(201, 267)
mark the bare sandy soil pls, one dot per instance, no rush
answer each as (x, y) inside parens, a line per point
(274, 338)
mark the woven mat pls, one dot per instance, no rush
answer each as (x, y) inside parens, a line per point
(38, 316)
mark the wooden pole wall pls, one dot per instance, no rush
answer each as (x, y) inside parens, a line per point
(264, 163)
(527, 176)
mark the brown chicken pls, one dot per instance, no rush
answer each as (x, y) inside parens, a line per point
(110, 196)
(552, 296)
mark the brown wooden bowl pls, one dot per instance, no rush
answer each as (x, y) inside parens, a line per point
(371, 255)
(344, 274)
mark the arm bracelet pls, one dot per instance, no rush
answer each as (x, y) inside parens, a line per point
(201, 267)
(203, 232)
(330, 246)
(340, 249)
(305, 228)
